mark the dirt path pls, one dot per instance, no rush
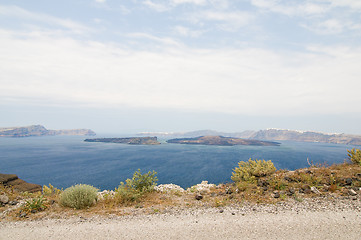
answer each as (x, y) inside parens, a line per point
(205, 224)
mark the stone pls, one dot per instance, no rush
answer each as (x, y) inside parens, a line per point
(262, 183)
(229, 191)
(315, 190)
(276, 195)
(305, 189)
(352, 192)
(348, 181)
(22, 214)
(291, 191)
(13, 203)
(204, 186)
(288, 179)
(199, 197)
(221, 211)
(4, 199)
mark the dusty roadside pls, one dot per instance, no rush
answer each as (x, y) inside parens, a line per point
(314, 218)
(213, 223)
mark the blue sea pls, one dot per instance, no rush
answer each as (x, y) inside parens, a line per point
(67, 160)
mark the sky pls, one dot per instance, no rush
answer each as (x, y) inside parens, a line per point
(130, 66)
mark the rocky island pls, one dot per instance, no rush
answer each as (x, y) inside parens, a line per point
(221, 141)
(130, 140)
(39, 130)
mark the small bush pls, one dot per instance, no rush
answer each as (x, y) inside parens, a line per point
(354, 156)
(35, 204)
(134, 188)
(79, 196)
(251, 170)
(51, 190)
(143, 182)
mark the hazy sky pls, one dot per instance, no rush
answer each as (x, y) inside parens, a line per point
(157, 65)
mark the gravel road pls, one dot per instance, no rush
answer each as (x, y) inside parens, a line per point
(210, 223)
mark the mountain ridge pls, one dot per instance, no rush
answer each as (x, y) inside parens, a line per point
(271, 134)
(40, 130)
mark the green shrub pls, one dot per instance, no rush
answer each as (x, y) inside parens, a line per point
(142, 182)
(79, 196)
(354, 156)
(134, 188)
(35, 204)
(252, 170)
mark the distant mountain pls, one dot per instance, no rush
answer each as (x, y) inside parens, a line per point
(39, 130)
(198, 133)
(269, 135)
(221, 141)
(129, 140)
(306, 136)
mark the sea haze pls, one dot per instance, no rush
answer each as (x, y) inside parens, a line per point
(67, 160)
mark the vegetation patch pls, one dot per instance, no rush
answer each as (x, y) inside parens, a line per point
(133, 189)
(252, 170)
(79, 196)
(354, 156)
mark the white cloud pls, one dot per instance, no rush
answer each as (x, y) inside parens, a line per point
(20, 13)
(298, 8)
(159, 7)
(353, 4)
(186, 32)
(196, 2)
(100, 1)
(159, 40)
(331, 26)
(225, 20)
(59, 70)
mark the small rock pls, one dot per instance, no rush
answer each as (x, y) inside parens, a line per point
(13, 203)
(276, 195)
(306, 189)
(221, 211)
(229, 191)
(22, 214)
(348, 181)
(233, 213)
(352, 192)
(315, 190)
(288, 179)
(4, 199)
(199, 197)
(291, 191)
(262, 183)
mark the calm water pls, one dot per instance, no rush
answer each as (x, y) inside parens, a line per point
(64, 161)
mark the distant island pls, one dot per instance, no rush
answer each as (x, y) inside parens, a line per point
(39, 130)
(269, 135)
(221, 141)
(129, 140)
